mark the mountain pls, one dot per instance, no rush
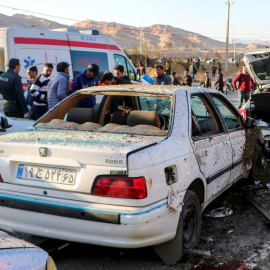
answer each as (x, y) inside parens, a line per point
(27, 21)
(159, 37)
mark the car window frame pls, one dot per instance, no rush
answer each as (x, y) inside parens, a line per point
(215, 115)
(230, 106)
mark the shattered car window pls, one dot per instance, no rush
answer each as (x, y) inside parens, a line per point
(229, 117)
(203, 120)
(262, 68)
(159, 104)
(144, 115)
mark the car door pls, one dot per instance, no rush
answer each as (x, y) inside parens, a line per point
(234, 125)
(211, 144)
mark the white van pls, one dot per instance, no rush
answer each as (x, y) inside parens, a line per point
(38, 46)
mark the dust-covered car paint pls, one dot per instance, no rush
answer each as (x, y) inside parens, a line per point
(143, 182)
(19, 254)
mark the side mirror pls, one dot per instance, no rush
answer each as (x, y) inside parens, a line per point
(250, 123)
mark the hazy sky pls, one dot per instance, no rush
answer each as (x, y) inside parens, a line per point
(249, 19)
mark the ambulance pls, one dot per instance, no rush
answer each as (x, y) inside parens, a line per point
(79, 49)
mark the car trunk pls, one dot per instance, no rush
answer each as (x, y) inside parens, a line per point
(43, 162)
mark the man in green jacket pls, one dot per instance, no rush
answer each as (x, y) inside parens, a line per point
(12, 91)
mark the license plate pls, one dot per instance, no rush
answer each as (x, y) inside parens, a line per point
(52, 175)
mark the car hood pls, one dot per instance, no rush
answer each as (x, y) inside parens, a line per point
(83, 139)
(258, 65)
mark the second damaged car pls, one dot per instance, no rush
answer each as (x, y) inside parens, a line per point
(135, 171)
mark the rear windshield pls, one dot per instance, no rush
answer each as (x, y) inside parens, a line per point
(135, 114)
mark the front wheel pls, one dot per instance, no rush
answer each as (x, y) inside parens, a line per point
(187, 233)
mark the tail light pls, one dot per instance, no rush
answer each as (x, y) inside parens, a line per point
(1, 179)
(243, 112)
(120, 187)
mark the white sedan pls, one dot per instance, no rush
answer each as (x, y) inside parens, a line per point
(136, 171)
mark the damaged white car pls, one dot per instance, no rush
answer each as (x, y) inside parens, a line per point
(136, 171)
(258, 107)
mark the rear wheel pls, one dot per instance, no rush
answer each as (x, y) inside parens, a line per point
(191, 218)
(187, 234)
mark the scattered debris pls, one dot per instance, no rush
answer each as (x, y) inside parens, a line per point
(207, 239)
(219, 212)
(206, 254)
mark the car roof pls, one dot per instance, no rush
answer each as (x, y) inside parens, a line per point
(256, 51)
(137, 88)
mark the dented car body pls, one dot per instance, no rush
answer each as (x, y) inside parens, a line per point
(258, 106)
(135, 176)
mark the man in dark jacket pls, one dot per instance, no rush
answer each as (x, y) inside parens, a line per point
(162, 78)
(187, 80)
(175, 80)
(219, 82)
(108, 79)
(207, 81)
(12, 90)
(119, 72)
(86, 79)
(119, 102)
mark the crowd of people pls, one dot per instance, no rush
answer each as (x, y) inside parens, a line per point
(43, 94)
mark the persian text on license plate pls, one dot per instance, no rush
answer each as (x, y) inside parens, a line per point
(52, 175)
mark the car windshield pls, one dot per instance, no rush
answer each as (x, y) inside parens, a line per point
(262, 68)
(135, 113)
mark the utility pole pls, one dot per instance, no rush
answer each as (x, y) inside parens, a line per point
(227, 36)
(233, 41)
(141, 37)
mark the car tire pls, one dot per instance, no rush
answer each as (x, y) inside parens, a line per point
(187, 233)
(191, 220)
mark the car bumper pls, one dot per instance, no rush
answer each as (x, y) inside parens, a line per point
(122, 227)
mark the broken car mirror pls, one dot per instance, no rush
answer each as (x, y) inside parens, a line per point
(250, 123)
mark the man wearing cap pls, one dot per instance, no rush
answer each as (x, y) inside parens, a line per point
(12, 90)
(87, 78)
